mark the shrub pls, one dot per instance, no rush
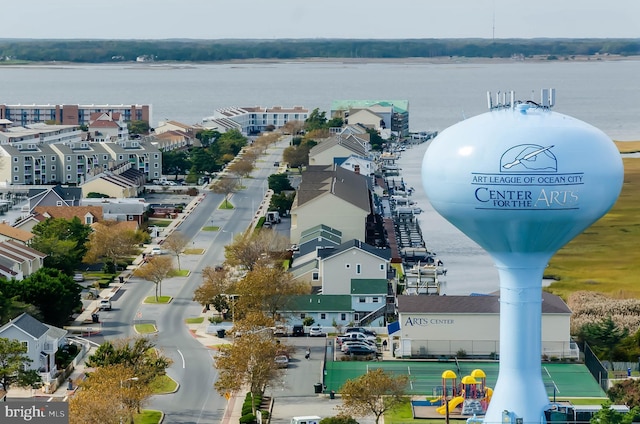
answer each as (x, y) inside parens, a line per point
(247, 419)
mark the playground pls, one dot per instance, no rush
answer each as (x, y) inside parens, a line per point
(468, 384)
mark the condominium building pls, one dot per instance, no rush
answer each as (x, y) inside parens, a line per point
(70, 114)
(394, 114)
(254, 120)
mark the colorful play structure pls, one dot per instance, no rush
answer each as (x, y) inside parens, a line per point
(472, 394)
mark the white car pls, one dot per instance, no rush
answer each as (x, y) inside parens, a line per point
(156, 251)
(78, 278)
(316, 332)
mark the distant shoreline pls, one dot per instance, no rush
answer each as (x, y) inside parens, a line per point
(417, 60)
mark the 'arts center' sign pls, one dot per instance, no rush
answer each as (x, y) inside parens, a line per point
(423, 322)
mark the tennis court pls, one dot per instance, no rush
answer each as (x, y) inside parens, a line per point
(563, 380)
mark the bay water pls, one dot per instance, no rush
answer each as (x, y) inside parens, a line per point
(440, 93)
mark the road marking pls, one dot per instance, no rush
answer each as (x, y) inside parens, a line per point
(182, 356)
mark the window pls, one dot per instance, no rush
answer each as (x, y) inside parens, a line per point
(68, 158)
(120, 157)
(53, 158)
(356, 316)
(58, 202)
(15, 159)
(347, 266)
(88, 220)
(15, 178)
(15, 169)
(53, 167)
(303, 315)
(25, 345)
(358, 268)
(155, 156)
(343, 317)
(105, 157)
(381, 267)
(315, 276)
(323, 316)
(155, 165)
(376, 299)
(362, 299)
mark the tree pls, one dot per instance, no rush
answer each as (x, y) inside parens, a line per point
(339, 419)
(282, 202)
(316, 120)
(109, 395)
(176, 243)
(156, 270)
(112, 241)
(138, 354)
(207, 137)
(258, 247)
(625, 392)
(375, 392)
(52, 292)
(279, 183)
(14, 365)
(64, 242)
(249, 361)
(175, 162)
(242, 168)
(138, 127)
(266, 288)
(292, 127)
(215, 283)
(225, 186)
(603, 336)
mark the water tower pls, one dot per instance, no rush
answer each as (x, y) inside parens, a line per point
(521, 181)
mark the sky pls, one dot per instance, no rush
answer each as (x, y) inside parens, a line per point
(363, 19)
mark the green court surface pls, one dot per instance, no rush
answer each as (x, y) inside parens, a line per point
(561, 380)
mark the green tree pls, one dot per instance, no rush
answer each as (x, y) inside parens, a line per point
(603, 337)
(14, 364)
(279, 182)
(54, 293)
(282, 202)
(374, 139)
(207, 137)
(316, 120)
(64, 242)
(138, 127)
(202, 161)
(607, 415)
(625, 392)
(335, 122)
(375, 392)
(339, 419)
(175, 162)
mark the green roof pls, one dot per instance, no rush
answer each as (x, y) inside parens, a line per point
(399, 106)
(369, 286)
(320, 303)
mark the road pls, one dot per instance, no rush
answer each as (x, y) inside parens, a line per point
(196, 401)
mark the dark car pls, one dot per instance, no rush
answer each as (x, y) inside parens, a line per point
(297, 331)
(359, 350)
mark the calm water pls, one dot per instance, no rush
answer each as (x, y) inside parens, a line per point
(604, 94)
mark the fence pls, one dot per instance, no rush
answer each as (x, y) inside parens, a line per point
(595, 367)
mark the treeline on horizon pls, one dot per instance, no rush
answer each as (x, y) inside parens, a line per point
(101, 51)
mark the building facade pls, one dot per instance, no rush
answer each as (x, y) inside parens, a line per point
(70, 114)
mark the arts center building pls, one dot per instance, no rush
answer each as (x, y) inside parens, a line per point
(469, 326)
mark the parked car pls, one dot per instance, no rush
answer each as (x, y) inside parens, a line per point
(317, 332)
(104, 305)
(282, 361)
(280, 330)
(297, 331)
(360, 350)
(346, 345)
(78, 278)
(359, 330)
(354, 336)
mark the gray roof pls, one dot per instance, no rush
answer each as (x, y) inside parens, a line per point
(303, 268)
(28, 324)
(342, 183)
(349, 142)
(376, 251)
(490, 304)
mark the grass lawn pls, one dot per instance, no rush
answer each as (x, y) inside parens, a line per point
(159, 222)
(163, 385)
(145, 328)
(193, 251)
(148, 416)
(605, 258)
(211, 228)
(226, 205)
(161, 299)
(197, 320)
(181, 273)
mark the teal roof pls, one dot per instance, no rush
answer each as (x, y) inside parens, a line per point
(369, 286)
(304, 268)
(399, 106)
(320, 303)
(321, 227)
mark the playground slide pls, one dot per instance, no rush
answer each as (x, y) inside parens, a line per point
(453, 403)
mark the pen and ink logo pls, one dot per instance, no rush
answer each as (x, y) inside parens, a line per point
(34, 412)
(527, 158)
(528, 179)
